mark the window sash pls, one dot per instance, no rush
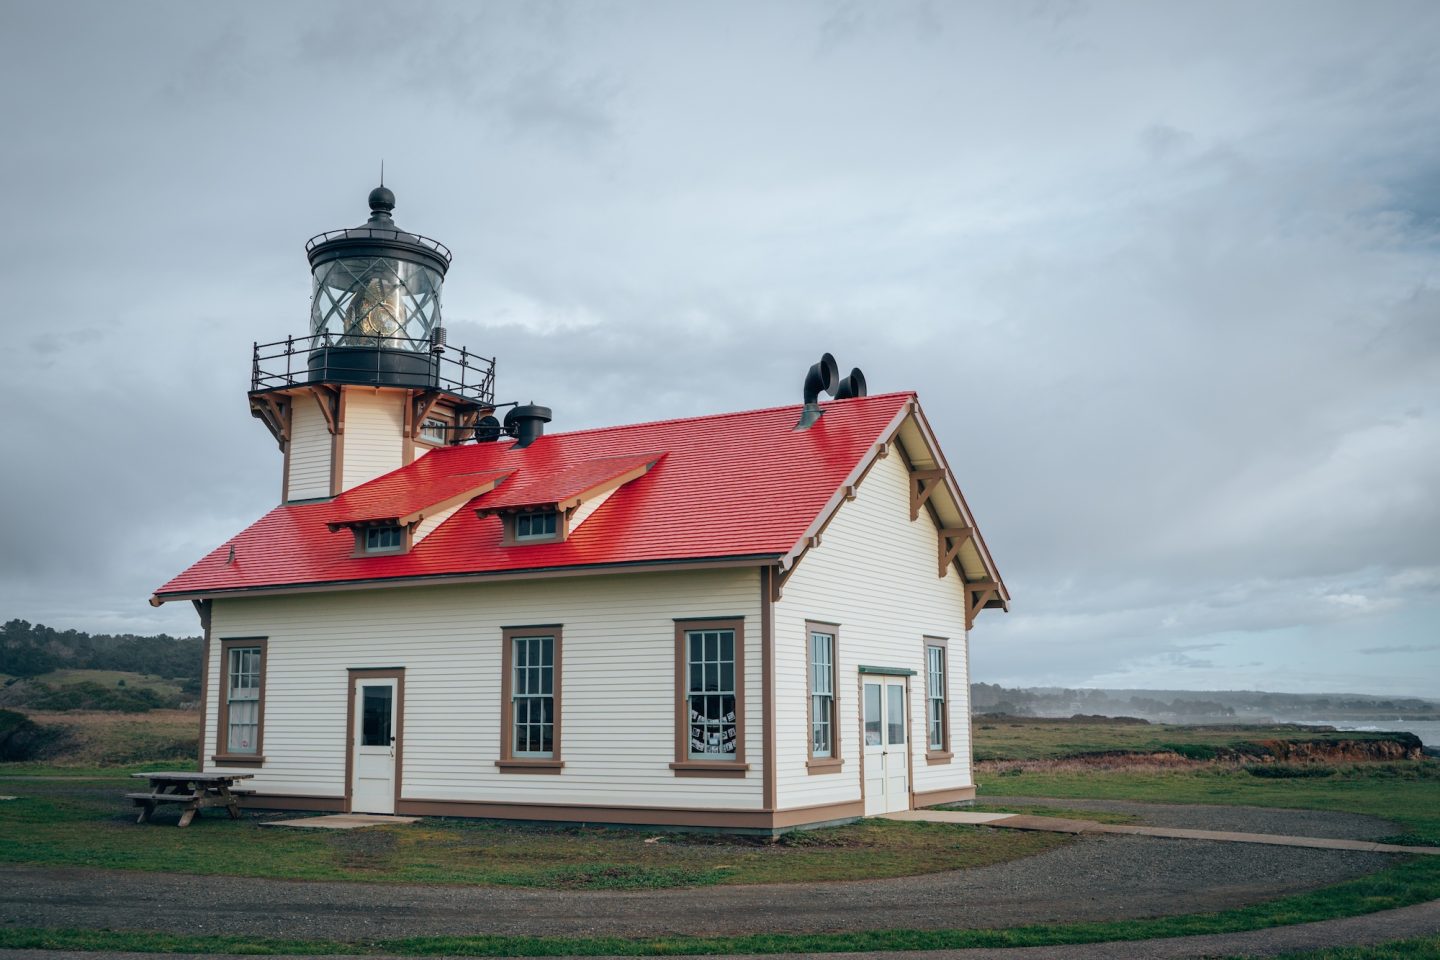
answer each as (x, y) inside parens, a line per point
(711, 695)
(935, 692)
(379, 539)
(535, 526)
(434, 429)
(243, 700)
(822, 694)
(532, 697)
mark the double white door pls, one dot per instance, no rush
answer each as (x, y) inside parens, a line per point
(887, 755)
(372, 788)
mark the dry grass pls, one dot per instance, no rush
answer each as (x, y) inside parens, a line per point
(95, 738)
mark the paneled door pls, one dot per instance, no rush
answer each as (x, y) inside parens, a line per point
(887, 758)
(372, 788)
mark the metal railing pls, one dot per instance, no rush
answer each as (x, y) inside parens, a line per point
(379, 233)
(383, 361)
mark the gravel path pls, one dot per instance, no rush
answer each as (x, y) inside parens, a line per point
(1295, 823)
(1095, 878)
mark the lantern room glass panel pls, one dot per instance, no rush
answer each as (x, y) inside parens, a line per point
(376, 302)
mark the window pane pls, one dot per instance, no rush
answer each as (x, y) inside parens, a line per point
(534, 696)
(711, 697)
(895, 714)
(375, 716)
(872, 714)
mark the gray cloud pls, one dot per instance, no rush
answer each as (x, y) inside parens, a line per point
(1166, 286)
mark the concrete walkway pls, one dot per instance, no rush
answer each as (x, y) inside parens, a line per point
(1014, 821)
(341, 821)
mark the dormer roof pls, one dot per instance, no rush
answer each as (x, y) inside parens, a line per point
(736, 488)
(562, 486)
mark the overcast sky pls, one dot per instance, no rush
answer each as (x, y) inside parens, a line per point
(1164, 275)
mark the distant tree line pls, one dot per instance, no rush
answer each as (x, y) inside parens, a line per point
(1191, 706)
(30, 650)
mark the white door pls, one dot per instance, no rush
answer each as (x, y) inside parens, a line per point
(372, 787)
(887, 759)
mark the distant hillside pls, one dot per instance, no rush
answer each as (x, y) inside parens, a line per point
(46, 669)
(28, 650)
(1197, 706)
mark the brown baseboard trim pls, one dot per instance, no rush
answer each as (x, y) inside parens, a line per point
(281, 801)
(723, 819)
(930, 798)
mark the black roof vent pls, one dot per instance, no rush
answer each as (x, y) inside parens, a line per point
(852, 386)
(526, 423)
(824, 377)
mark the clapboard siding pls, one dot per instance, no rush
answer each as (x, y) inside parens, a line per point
(875, 574)
(309, 452)
(374, 434)
(618, 685)
(429, 524)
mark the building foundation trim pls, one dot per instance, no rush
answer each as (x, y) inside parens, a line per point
(930, 798)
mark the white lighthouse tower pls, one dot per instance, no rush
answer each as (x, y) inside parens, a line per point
(373, 385)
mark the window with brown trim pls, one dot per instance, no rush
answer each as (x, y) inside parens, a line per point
(937, 713)
(435, 430)
(710, 698)
(240, 734)
(821, 658)
(530, 699)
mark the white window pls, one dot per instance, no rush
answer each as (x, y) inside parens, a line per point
(711, 699)
(935, 693)
(242, 700)
(383, 540)
(822, 694)
(532, 697)
(435, 430)
(535, 526)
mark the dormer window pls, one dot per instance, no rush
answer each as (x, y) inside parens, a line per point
(384, 540)
(538, 525)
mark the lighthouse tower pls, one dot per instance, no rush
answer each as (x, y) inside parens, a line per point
(373, 385)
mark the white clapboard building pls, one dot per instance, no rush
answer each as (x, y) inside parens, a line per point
(749, 621)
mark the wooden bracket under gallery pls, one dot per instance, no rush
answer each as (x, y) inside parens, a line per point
(923, 484)
(273, 415)
(951, 540)
(328, 400)
(424, 403)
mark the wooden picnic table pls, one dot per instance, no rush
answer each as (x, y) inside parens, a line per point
(194, 790)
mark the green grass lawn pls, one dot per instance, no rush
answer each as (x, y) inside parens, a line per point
(1024, 738)
(1407, 793)
(85, 822)
(80, 820)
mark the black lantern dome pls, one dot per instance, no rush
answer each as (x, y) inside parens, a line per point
(375, 313)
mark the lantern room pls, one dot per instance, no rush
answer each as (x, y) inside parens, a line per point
(375, 309)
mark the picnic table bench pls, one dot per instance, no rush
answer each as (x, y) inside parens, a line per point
(194, 790)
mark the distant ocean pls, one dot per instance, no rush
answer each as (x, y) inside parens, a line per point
(1427, 730)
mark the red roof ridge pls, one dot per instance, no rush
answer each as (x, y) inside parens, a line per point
(797, 407)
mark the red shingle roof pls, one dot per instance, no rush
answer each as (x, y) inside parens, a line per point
(732, 485)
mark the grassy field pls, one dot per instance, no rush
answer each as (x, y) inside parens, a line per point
(81, 821)
(1407, 793)
(1025, 738)
(84, 822)
(96, 740)
(110, 678)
